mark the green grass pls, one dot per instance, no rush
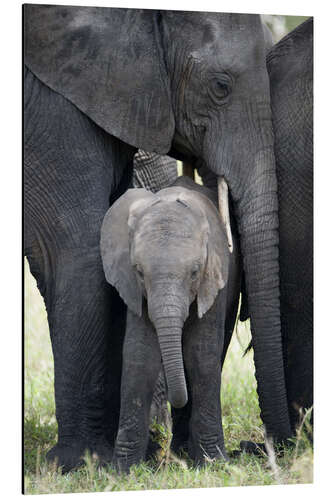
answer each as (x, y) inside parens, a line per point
(241, 421)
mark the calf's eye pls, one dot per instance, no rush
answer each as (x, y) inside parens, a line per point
(194, 274)
(140, 273)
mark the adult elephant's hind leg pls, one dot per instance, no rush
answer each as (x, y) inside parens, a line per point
(71, 169)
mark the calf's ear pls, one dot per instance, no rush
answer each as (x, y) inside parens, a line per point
(115, 249)
(214, 279)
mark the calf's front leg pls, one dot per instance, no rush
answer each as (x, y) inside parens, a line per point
(202, 346)
(141, 367)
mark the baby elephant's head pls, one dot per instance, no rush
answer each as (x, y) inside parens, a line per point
(170, 248)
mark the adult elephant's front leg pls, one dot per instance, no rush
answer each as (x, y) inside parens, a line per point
(202, 346)
(86, 341)
(71, 170)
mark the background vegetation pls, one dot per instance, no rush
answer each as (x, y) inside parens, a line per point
(241, 420)
(281, 25)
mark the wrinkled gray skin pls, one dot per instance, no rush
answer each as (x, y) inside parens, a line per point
(153, 172)
(100, 83)
(182, 294)
(290, 66)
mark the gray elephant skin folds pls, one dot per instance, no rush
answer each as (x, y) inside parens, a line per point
(101, 84)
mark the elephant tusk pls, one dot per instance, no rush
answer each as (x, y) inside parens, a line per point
(222, 189)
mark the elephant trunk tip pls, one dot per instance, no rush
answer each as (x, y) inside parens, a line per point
(179, 399)
(178, 402)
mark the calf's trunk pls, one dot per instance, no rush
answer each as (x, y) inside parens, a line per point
(169, 333)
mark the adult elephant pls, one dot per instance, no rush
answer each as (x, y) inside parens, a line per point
(99, 84)
(153, 172)
(290, 67)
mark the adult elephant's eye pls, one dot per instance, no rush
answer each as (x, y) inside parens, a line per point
(221, 87)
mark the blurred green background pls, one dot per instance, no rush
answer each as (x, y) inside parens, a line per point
(281, 25)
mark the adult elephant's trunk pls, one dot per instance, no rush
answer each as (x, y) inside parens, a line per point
(168, 320)
(257, 216)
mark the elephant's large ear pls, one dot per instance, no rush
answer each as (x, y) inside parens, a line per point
(109, 63)
(115, 249)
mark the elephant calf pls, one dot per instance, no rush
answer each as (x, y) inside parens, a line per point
(167, 254)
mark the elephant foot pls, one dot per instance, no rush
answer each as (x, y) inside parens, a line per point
(71, 456)
(103, 453)
(122, 464)
(252, 448)
(67, 457)
(203, 452)
(259, 449)
(128, 454)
